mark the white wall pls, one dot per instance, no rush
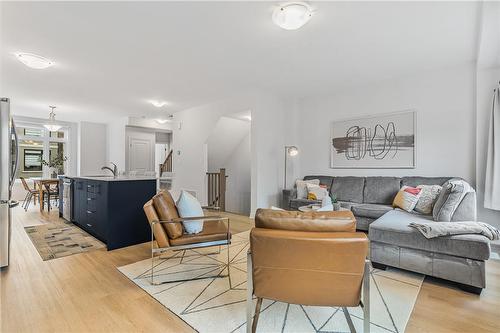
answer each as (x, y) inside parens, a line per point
(228, 146)
(267, 139)
(93, 148)
(445, 140)
(189, 142)
(238, 187)
(487, 80)
(117, 142)
(226, 135)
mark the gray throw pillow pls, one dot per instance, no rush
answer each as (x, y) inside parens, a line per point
(454, 190)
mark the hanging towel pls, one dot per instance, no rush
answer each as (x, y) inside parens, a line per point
(492, 181)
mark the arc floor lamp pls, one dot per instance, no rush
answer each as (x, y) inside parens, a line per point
(289, 151)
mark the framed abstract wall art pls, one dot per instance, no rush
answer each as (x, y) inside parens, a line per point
(380, 141)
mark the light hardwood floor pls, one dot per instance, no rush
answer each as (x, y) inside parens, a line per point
(86, 293)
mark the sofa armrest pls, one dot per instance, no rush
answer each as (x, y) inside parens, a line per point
(288, 194)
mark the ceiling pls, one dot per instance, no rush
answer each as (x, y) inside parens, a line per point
(111, 58)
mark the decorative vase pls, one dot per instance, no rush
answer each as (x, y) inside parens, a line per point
(53, 172)
(336, 206)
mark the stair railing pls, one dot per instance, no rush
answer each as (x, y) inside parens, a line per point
(217, 189)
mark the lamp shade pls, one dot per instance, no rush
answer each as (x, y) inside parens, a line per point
(292, 150)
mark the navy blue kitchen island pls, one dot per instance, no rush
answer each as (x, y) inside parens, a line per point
(110, 209)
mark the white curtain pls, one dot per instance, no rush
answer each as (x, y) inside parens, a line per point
(492, 184)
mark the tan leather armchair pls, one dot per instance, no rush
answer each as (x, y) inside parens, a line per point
(312, 258)
(168, 232)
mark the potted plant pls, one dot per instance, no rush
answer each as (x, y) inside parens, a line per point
(335, 203)
(56, 164)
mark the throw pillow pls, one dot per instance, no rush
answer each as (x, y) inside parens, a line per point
(316, 192)
(302, 187)
(326, 208)
(189, 206)
(428, 197)
(407, 198)
(454, 190)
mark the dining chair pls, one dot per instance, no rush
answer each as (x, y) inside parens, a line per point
(31, 194)
(49, 193)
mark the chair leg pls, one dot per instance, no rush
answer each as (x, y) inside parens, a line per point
(366, 298)
(249, 292)
(257, 313)
(228, 269)
(349, 320)
(26, 200)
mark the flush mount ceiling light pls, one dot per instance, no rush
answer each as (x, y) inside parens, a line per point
(158, 104)
(292, 15)
(34, 61)
(51, 125)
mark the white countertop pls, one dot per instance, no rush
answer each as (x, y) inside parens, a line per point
(117, 179)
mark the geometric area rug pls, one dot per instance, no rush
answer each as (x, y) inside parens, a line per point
(216, 305)
(61, 239)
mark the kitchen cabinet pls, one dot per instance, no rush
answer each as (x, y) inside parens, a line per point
(112, 210)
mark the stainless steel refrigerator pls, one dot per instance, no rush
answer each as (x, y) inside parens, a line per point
(9, 157)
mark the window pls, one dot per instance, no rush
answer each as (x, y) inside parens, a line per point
(32, 160)
(41, 153)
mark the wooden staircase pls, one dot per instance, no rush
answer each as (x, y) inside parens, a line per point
(217, 189)
(166, 166)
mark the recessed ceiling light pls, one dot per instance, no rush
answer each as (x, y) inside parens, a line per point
(162, 121)
(34, 61)
(158, 104)
(292, 15)
(249, 118)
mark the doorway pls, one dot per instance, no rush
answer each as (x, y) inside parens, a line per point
(228, 148)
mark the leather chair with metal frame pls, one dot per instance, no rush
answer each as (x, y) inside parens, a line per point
(168, 232)
(313, 258)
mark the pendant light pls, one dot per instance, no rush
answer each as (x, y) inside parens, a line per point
(51, 124)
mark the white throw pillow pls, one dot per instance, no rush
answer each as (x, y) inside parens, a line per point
(316, 192)
(326, 208)
(427, 199)
(302, 187)
(189, 206)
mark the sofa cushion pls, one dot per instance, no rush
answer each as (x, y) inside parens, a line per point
(363, 223)
(373, 211)
(348, 188)
(323, 180)
(449, 199)
(467, 210)
(381, 190)
(414, 181)
(296, 203)
(392, 228)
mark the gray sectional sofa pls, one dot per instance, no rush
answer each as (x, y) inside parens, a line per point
(459, 258)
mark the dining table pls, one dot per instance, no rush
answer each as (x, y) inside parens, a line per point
(40, 185)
